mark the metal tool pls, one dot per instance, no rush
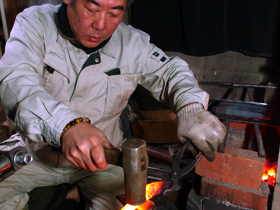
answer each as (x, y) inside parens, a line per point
(177, 172)
(135, 165)
(153, 189)
(13, 160)
(240, 85)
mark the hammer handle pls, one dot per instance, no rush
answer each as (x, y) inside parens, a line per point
(113, 156)
(55, 158)
(164, 155)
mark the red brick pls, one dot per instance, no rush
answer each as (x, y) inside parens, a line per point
(249, 198)
(238, 125)
(237, 166)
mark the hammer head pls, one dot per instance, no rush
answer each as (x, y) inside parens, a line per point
(135, 164)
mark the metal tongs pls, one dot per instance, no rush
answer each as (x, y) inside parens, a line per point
(177, 172)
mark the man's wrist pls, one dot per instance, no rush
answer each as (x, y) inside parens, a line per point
(74, 122)
(190, 109)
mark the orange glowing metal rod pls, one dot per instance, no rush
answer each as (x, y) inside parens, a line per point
(152, 189)
(129, 207)
(8, 166)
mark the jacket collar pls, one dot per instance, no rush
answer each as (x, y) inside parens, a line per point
(109, 49)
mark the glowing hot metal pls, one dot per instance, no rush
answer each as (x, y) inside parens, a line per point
(152, 189)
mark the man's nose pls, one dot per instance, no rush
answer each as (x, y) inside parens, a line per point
(100, 21)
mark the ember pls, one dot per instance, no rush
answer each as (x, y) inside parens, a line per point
(152, 189)
(269, 173)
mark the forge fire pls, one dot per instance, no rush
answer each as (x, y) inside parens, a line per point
(269, 173)
(152, 189)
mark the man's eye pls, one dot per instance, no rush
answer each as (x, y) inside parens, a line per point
(113, 15)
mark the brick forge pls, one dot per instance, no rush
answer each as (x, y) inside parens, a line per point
(236, 174)
(241, 196)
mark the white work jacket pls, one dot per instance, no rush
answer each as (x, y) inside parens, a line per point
(46, 82)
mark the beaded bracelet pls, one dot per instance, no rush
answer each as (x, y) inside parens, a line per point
(74, 122)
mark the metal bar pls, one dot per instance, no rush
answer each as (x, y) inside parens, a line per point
(246, 109)
(233, 94)
(5, 164)
(250, 95)
(154, 178)
(6, 167)
(243, 94)
(259, 141)
(227, 93)
(226, 101)
(163, 155)
(222, 147)
(246, 106)
(237, 119)
(4, 20)
(241, 113)
(276, 192)
(239, 85)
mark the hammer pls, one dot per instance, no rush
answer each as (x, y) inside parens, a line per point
(135, 164)
(133, 158)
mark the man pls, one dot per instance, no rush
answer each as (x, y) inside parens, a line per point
(64, 65)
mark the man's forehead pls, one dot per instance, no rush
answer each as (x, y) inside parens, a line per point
(115, 4)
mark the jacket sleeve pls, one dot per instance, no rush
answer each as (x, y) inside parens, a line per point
(170, 80)
(35, 112)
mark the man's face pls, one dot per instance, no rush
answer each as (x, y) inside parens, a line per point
(93, 21)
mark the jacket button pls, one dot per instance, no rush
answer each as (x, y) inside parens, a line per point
(96, 60)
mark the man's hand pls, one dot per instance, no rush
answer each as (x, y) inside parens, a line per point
(83, 146)
(205, 130)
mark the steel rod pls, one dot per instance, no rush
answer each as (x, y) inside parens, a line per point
(238, 119)
(259, 141)
(5, 164)
(222, 147)
(240, 85)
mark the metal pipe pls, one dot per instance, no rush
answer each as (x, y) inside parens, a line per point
(239, 85)
(5, 164)
(261, 149)
(222, 147)
(4, 20)
(164, 155)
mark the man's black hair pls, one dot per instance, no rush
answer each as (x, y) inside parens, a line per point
(128, 2)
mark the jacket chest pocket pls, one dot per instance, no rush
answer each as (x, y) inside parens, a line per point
(56, 75)
(56, 83)
(119, 90)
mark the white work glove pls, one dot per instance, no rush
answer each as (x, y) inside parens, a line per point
(202, 128)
